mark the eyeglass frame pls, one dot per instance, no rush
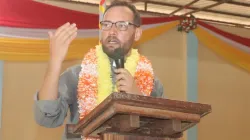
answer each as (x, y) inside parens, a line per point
(127, 22)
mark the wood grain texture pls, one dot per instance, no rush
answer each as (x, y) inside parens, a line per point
(110, 136)
(136, 115)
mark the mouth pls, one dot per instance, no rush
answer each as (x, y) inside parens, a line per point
(113, 41)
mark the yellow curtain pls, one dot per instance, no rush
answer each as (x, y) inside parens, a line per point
(152, 33)
(38, 50)
(14, 49)
(224, 49)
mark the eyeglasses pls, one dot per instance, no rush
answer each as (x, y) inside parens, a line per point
(120, 25)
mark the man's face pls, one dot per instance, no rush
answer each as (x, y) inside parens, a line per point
(124, 36)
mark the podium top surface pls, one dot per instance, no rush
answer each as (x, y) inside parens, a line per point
(146, 106)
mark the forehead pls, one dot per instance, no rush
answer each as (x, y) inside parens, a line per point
(119, 13)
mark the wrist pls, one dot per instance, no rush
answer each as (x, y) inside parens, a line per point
(56, 59)
(55, 65)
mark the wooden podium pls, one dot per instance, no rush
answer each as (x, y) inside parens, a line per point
(123, 116)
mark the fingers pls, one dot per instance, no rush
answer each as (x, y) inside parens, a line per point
(121, 83)
(122, 74)
(61, 28)
(121, 70)
(72, 35)
(67, 32)
(122, 86)
(124, 80)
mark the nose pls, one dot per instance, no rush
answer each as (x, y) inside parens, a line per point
(113, 30)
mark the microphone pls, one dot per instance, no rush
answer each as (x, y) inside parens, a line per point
(119, 58)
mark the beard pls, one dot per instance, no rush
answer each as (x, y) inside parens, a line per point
(111, 44)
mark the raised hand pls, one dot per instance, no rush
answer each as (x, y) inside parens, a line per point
(60, 41)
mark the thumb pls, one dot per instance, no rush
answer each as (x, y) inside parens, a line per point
(50, 37)
(50, 34)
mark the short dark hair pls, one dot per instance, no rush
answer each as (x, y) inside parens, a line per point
(137, 17)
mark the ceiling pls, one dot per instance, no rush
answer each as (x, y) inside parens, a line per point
(227, 12)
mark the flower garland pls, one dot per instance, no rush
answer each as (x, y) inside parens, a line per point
(95, 82)
(104, 80)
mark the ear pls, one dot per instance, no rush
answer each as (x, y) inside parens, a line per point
(138, 33)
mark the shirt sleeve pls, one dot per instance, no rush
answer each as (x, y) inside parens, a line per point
(158, 90)
(52, 113)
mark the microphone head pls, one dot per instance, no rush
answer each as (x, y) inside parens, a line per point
(118, 53)
(118, 56)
